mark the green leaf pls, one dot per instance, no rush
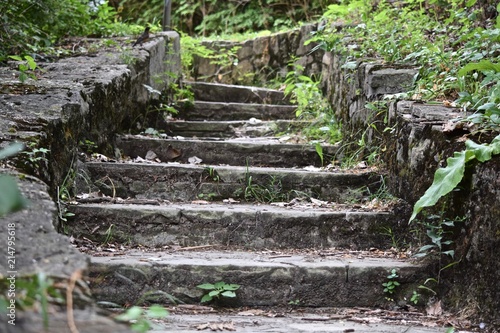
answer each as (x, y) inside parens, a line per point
(445, 180)
(132, 313)
(482, 152)
(231, 287)
(496, 145)
(31, 62)
(206, 286)
(219, 285)
(229, 293)
(206, 298)
(11, 150)
(156, 311)
(11, 199)
(15, 57)
(484, 65)
(214, 293)
(319, 151)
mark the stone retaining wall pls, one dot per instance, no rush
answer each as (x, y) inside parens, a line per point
(80, 98)
(262, 59)
(410, 139)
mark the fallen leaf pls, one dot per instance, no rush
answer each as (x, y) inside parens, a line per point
(172, 153)
(434, 309)
(252, 312)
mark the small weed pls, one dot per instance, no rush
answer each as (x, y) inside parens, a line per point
(88, 146)
(109, 234)
(36, 291)
(415, 297)
(218, 290)
(295, 302)
(26, 67)
(391, 284)
(35, 157)
(395, 241)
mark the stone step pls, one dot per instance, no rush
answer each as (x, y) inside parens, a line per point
(187, 182)
(250, 226)
(286, 319)
(266, 278)
(202, 110)
(232, 129)
(240, 151)
(226, 93)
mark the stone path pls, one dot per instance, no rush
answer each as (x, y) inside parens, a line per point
(177, 212)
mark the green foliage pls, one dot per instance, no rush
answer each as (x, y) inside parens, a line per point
(311, 106)
(437, 232)
(218, 290)
(11, 199)
(34, 27)
(211, 17)
(447, 178)
(26, 67)
(391, 284)
(438, 37)
(33, 292)
(140, 319)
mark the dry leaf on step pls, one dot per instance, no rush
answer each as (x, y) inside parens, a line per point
(434, 309)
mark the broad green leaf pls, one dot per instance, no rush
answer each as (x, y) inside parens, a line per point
(11, 198)
(484, 65)
(445, 180)
(206, 286)
(495, 144)
(206, 298)
(229, 293)
(12, 149)
(156, 311)
(482, 152)
(231, 287)
(31, 62)
(319, 151)
(18, 58)
(132, 313)
(214, 293)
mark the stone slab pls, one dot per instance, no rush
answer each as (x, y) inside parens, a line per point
(303, 323)
(242, 152)
(188, 182)
(212, 92)
(242, 225)
(265, 280)
(203, 110)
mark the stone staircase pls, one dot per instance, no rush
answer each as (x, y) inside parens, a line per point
(223, 198)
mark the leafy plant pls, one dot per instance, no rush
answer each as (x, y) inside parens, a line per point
(140, 319)
(27, 66)
(35, 291)
(391, 284)
(218, 290)
(437, 232)
(311, 105)
(447, 178)
(415, 297)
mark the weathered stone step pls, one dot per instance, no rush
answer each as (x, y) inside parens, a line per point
(217, 92)
(187, 182)
(288, 319)
(242, 225)
(201, 110)
(266, 279)
(244, 151)
(236, 128)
